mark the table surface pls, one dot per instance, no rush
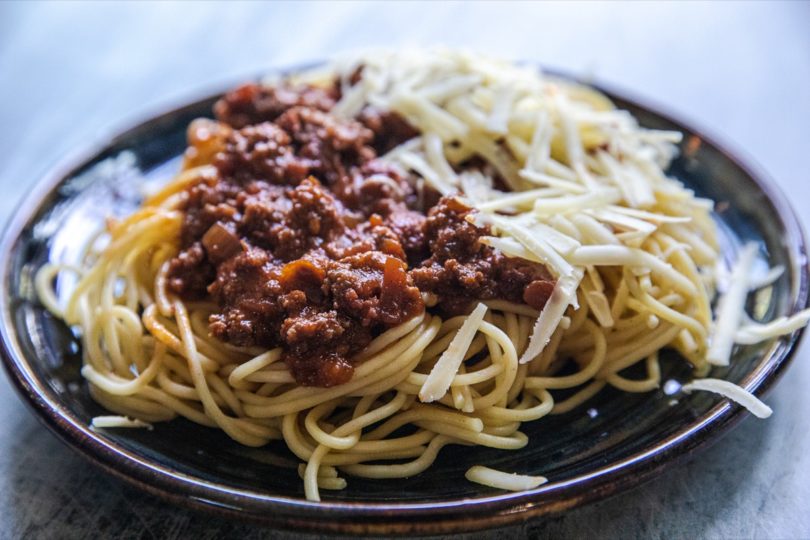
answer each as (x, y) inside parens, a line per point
(70, 73)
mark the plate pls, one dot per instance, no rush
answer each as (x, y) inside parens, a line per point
(610, 444)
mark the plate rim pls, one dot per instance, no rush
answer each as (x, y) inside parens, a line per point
(388, 518)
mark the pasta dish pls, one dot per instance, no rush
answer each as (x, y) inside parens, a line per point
(396, 252)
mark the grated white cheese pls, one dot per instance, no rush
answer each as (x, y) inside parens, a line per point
(730, 307)
(102, 422)
(576, 203)
(752, 333)
(434, 149)
(499, 116)
(503, 480)
(732, 392)
(563, 295)
(418, 164)
(537, 245)
(441, 376)
(540, 149)
(769, 278)
(625, 256)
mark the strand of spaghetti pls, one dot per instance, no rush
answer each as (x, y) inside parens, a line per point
(652, 381)
(389, 337)
(132, 406)
(365, 450)
(662, 311)
(170, 340)
(180, 390)
(579, 398)
(505, 414)
(254, 365)
(402, 470)
(219, 356)
(200, 383)
(435, 414)
(511, 307)
(274, 376)
(502, 351)
(112, 384)
(540, 365)
(419, 438)
(514, 442)
(42, 282)
(337, 440)
(623, 356)
(512, 323)
(221, 388)
(463, 379)
(592, 368)
(457, 396)
(392, 381)
(181, 182)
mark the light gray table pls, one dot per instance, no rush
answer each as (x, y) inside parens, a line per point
(70, 72)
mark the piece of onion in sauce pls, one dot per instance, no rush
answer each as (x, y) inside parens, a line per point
(220, 243)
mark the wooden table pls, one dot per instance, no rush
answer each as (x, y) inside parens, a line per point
(70, 73)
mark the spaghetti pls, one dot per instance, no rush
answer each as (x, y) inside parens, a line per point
(555, 176)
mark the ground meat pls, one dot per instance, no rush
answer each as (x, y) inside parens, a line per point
(208, 202)
(371, 287)
(190, 273)
(320, 345)
(409, 227)
(332, 147)
(253, 103)
(306, 241)
(247, 288)
(390, 129)
(261, 152)
(460, 269)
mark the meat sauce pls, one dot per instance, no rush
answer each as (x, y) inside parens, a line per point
(305, 240)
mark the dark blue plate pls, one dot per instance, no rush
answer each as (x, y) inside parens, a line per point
(614, 442)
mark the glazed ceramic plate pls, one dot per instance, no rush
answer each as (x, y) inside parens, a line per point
(613, 442)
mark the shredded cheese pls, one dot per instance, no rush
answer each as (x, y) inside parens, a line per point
(755, 333)
(503, 480)
(732, 392)
(441, 376)
(102, 422)
(730, 307)
(563, 295)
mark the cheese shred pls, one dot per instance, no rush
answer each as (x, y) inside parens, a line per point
(731, 391)
(503, 480)
(103, 422)
(442, 374)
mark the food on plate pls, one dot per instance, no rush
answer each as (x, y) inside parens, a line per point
(396, 252)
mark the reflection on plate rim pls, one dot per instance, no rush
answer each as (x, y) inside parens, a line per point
(387, 518)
